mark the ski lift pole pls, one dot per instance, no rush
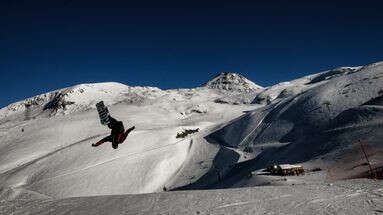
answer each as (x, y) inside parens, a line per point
(368, 162)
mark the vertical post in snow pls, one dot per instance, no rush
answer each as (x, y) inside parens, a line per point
(369, 164)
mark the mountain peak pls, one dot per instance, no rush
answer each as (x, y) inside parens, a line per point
(233, 82)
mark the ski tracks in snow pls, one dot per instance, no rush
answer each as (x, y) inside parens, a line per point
(373, 199)
(26, 164)
(129, 156)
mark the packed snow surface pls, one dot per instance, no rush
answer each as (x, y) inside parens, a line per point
(47, 164)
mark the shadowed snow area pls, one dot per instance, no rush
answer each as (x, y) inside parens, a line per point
(46, 156)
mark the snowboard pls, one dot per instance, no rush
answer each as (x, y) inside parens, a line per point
(103, 113)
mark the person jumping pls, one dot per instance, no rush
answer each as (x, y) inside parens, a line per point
(117, 135)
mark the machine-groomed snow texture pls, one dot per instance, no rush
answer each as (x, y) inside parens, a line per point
(47, 164)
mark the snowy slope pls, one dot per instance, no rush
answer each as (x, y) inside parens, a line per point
(321, 122)
(294, 87)
(351, 197)
(45, 141)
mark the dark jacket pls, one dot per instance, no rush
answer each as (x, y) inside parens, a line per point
(116, 126)
(117, 135)
(117, 129)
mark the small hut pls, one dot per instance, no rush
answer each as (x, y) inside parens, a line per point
(286, 169)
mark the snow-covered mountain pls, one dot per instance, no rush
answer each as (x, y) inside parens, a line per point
(232, 82)
(45, 152)
(80, 98)
(84, 96)
(294, 87)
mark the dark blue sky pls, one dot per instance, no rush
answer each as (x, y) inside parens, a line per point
(46, 46)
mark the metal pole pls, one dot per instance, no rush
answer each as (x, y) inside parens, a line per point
(365, 155)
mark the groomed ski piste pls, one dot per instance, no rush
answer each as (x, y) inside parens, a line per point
(47, 164)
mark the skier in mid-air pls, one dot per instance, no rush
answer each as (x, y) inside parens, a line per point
(117, 135)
